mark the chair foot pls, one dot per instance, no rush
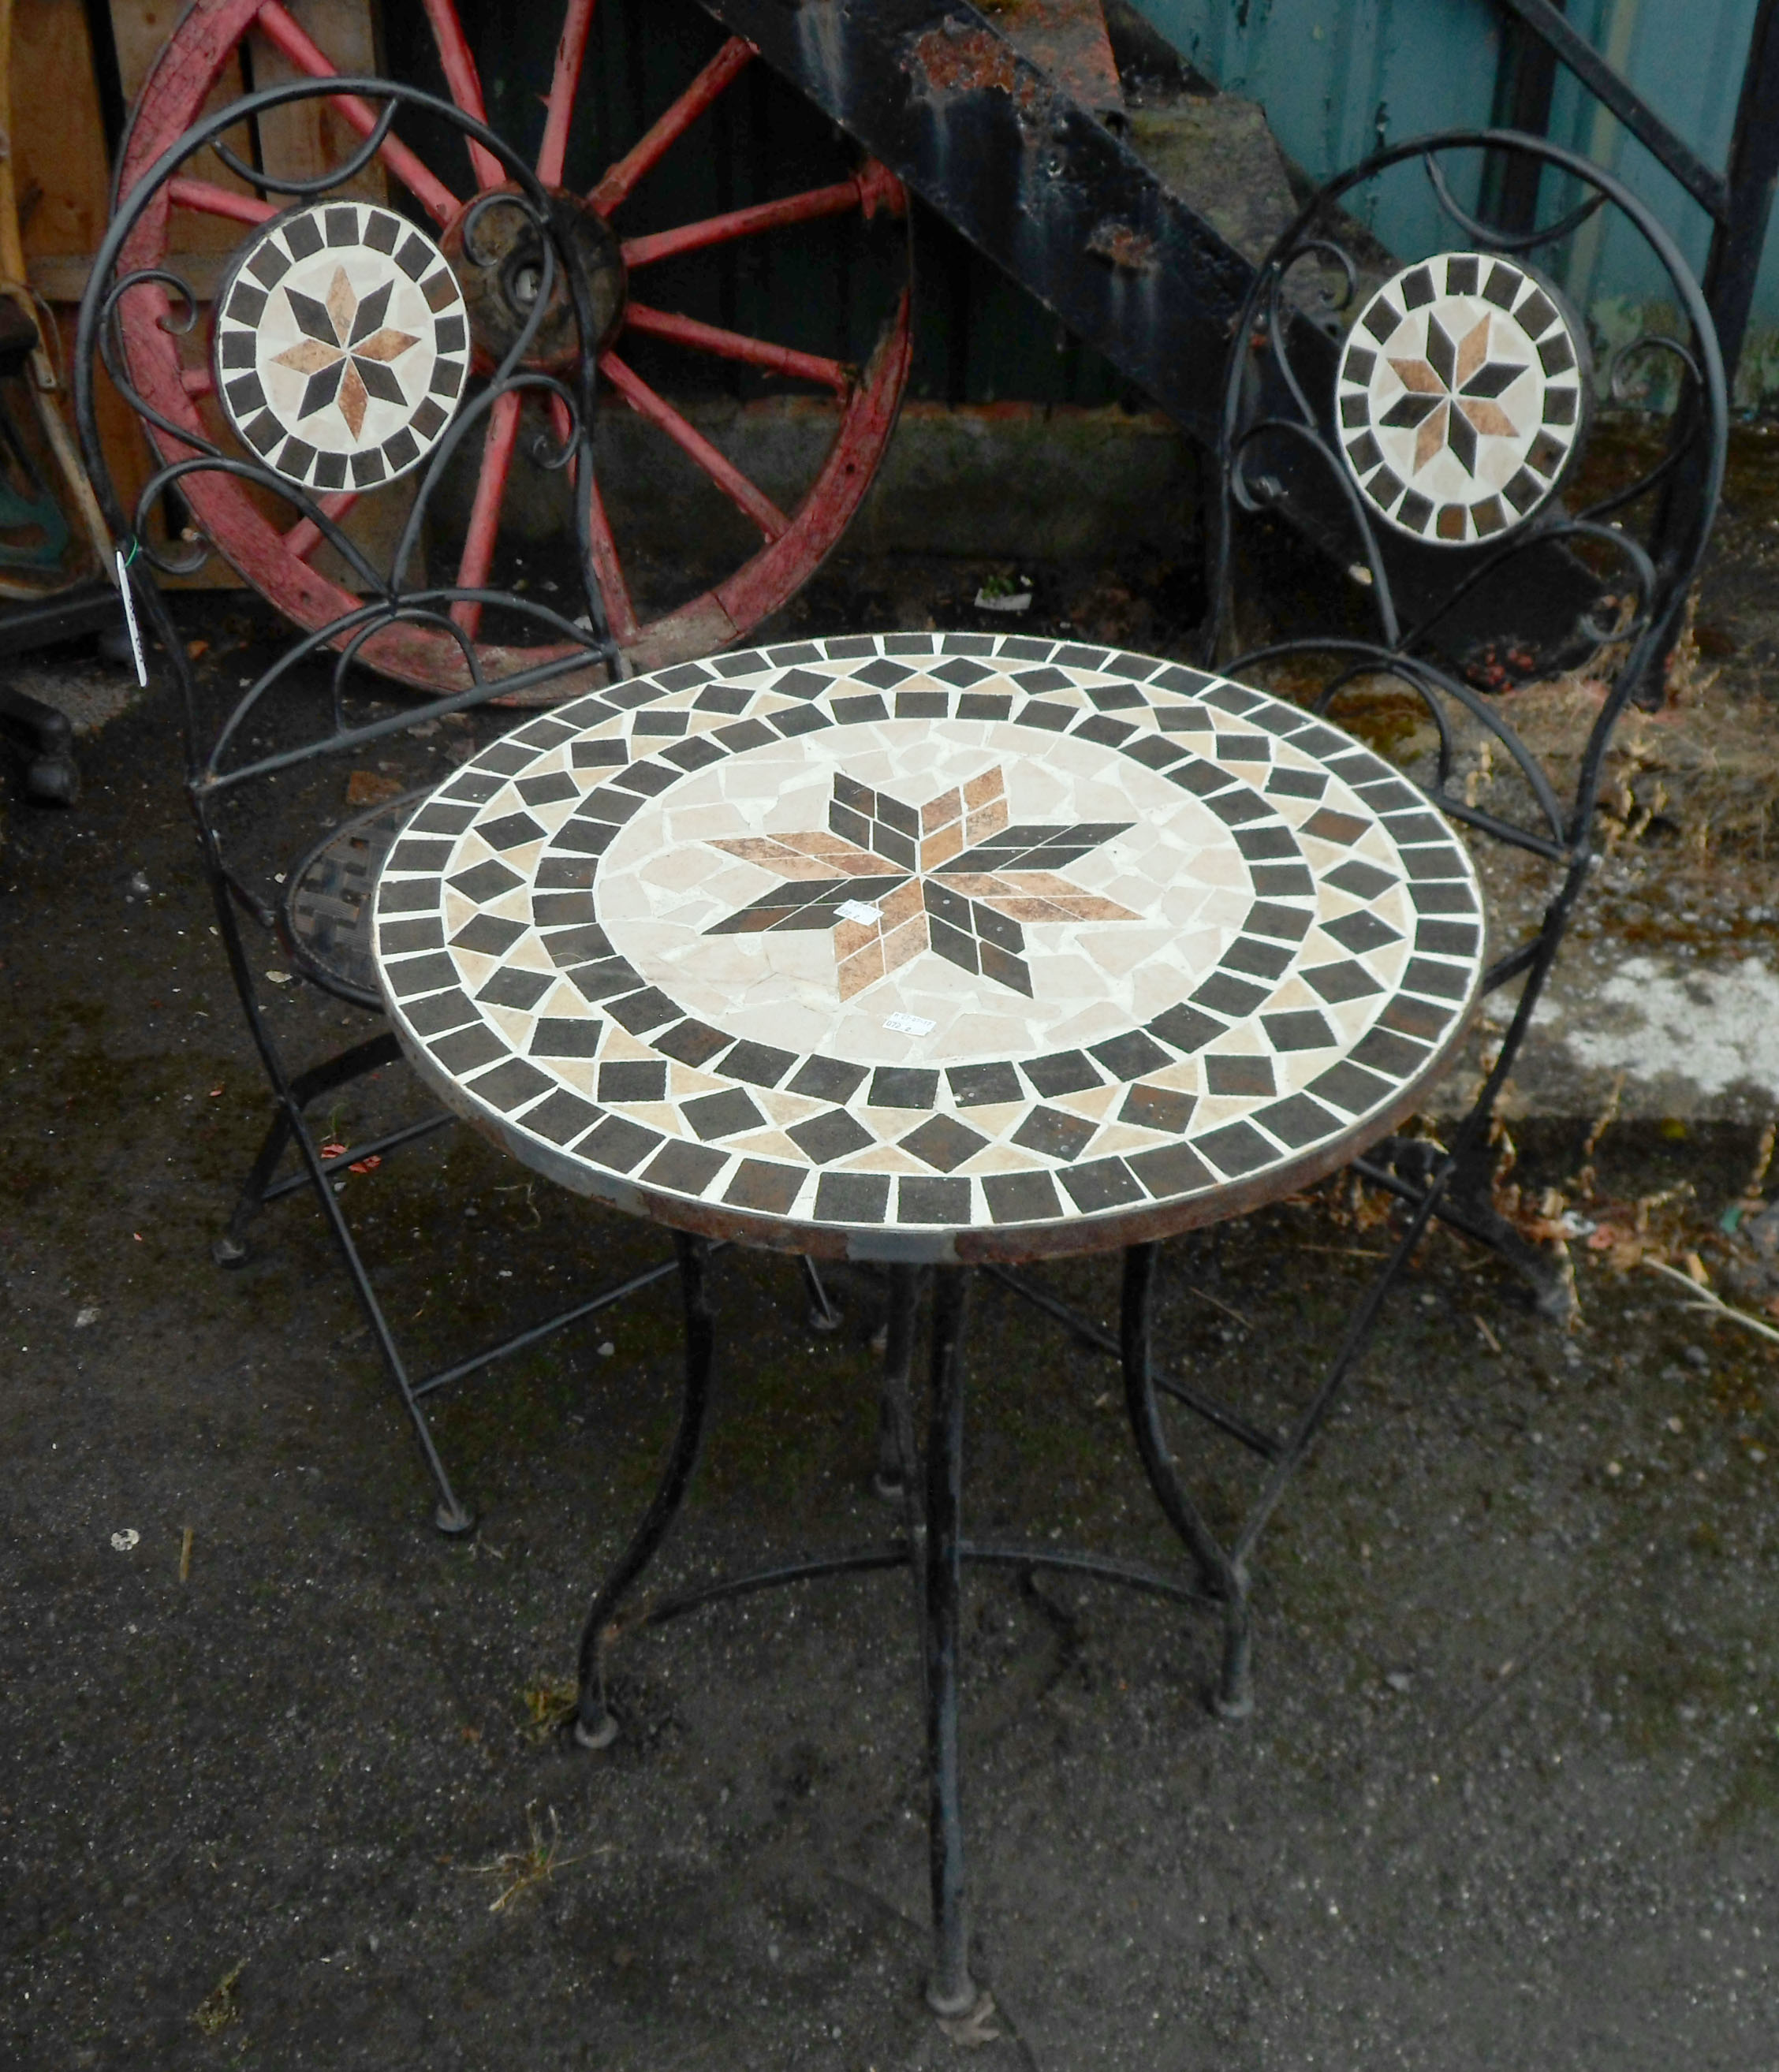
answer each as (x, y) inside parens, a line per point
(1233, 1696)
(1232, 1705)
(454, 1520)
(600, 1734)
(959, 1999)
(227, 1250)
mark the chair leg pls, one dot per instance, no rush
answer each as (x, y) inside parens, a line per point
(823, 1312)
(230, 1249)
(1466, 1206)
(596, 1724)
(451, 1514)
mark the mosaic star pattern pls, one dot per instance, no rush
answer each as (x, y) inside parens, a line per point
(1462, 393)
(341, 345)
(914, 886)
(1274, 945)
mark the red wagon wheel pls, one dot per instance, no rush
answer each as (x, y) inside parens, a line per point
(276, 562)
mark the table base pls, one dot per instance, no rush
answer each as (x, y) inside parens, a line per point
(931, 1546)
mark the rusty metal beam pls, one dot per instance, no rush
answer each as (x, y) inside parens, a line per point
(944, 97)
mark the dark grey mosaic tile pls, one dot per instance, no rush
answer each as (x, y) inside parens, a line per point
(1129, 1056)
(1062, 1072)
(713, 1115)
(827, 1079)
(1158, 1107)
(630, 1080)
(902, 1086)
(1102, 1183)
(979, 1086)
(1172, 1169)
(1242, 1073)
(1298, 1121)
(1235, 1150)
(923, 1200)
(558, 1036)
(1055, 1133)
(852, 1198)
(943, 1142)
(563, 1117)
(682, 1168)
(833, 1135)
(619, 1145)
(759, 1184)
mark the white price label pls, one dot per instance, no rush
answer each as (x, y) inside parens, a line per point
(129, 617)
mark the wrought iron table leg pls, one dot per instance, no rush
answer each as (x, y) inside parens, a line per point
(596, 1726)
(1223, 1578)
(893, 1477)
(950, 1989)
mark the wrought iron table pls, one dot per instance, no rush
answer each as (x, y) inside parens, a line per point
(933, 950)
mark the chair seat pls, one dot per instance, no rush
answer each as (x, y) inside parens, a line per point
(325, 917)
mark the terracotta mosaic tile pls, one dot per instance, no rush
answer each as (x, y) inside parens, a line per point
(1082, 934)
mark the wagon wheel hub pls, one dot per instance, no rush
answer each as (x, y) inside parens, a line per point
(497, 253)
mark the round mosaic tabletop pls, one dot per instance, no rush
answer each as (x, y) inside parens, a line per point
(1463, 395)
(929, 946)
(341, 345)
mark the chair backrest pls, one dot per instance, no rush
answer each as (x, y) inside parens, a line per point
(1427, 420)
(343, 342)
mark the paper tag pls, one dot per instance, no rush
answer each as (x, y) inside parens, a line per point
(856, 910)
(909, 1024)
(129, 617)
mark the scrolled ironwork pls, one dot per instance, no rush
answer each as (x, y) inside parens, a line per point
(349, 168)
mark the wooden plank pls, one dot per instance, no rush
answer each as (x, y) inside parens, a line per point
(307, 139)
(140, 29)
(58, 136)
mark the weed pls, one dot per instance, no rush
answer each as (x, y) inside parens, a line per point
(218, 2007)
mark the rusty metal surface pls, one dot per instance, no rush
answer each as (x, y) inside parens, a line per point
(1009, 155)
(1066, 39)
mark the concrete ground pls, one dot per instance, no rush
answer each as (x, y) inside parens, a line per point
(279, 1786)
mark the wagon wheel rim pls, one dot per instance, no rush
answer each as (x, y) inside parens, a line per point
(274, 562)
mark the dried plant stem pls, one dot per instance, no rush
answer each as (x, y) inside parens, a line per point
(1710, 1304)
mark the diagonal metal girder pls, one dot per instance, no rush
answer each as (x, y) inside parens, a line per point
(944, 97)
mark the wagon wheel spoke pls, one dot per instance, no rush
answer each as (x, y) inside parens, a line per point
(485, 517)
(465, 83)
(280, 28)
(808, 206)
(570, 51)
(620, 613)
(653, 146)
(735, 345)
(751, 502)
(305, 535)
(212, 200)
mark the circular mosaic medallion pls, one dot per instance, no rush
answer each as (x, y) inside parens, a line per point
(1463, 389)
(341, 345)
(943, 946)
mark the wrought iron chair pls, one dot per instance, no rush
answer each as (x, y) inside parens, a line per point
(382, 291)
(1427, 423)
